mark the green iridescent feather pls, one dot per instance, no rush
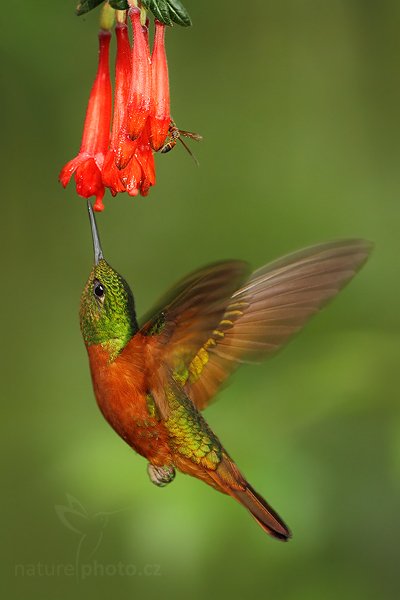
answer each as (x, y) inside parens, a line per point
(189, 433)
(111, 320)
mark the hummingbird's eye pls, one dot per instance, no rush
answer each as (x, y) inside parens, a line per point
(98, 290)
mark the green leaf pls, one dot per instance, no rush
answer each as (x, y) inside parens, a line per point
(86, 5)
(119, 4)
(159, 8)
(178, 13)
(160, 11)
(168, 11)
(165, 11)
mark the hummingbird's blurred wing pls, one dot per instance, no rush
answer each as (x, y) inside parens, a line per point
(269, 308)
(183, 322)
(185, 318)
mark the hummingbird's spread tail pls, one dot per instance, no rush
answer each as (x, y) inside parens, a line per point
(265, 516)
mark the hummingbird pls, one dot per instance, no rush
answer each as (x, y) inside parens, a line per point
(153, 380)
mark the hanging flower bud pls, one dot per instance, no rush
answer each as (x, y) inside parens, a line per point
(88, 163)
(140, 92)
(160, 116)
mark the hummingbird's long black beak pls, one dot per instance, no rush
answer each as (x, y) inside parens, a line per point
(98, 253)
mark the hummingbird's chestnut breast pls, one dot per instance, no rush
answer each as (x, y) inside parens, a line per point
(123, 398)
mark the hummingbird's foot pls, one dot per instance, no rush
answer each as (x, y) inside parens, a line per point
(161, 476)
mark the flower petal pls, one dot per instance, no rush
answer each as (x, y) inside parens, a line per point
(68, 169)
(89, 182)
(140, 92)
(160, 117)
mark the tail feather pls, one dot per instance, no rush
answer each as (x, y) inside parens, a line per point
(228, 479)
(265, 516)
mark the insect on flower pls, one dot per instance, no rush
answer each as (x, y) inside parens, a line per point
(175, 134)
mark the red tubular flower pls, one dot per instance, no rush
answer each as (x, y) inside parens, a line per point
(88, 163)
(121, 147)
(160, 116)
(124, 160)
(140, 92)
(129, 164)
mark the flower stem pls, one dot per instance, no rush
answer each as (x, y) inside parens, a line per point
(143, 15)
(120, 16)
(107, 17)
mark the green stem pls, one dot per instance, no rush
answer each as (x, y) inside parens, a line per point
(107, 17)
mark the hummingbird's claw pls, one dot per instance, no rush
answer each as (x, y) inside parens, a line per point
(161, 476)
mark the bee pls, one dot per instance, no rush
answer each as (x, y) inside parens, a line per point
(175, 134)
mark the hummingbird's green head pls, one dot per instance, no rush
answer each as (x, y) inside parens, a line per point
(107, 311)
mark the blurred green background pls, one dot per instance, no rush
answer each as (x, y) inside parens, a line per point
(298, 102)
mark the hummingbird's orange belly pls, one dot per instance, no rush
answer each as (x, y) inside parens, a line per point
(124, 404)
(131, 420)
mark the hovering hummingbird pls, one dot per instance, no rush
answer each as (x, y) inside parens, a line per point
(152, 381)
